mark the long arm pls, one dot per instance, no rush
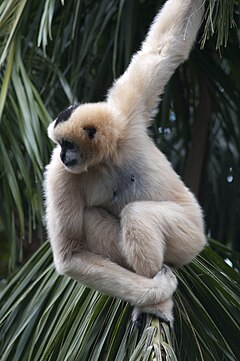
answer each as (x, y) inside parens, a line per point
(105, 276)
(168, 43)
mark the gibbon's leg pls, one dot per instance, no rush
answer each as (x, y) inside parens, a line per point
(142, 241)
(102, 232)
(168, 43)
(157, 232)
(153, 233)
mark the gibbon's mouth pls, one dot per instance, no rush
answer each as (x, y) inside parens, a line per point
(71, 166)
(75, 168)
(70, 163)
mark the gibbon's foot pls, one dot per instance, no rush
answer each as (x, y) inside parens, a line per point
(137, 320)
(167, 280)
(165, 269)
(162, 287)
(137, 316)
(163, 310)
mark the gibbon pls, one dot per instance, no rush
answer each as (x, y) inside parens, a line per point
(117, 213)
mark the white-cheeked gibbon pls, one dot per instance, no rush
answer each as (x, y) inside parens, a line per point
(117, 213)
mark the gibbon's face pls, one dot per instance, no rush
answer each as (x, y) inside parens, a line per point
(87, 134)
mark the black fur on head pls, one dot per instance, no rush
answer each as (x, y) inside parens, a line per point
(65, 114)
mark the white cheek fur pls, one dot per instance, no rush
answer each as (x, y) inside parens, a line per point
(51, 132)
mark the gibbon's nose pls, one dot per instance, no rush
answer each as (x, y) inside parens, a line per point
(67, 159)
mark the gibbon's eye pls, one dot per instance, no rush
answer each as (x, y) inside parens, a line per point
(67, 144)
(90, 132)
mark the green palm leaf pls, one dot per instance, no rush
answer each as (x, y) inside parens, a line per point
(48, 317)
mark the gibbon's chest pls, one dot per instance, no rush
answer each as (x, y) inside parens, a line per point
(128, 184)
(146, 177)
(116, 187)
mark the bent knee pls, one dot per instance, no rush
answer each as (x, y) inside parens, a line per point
(184, 251)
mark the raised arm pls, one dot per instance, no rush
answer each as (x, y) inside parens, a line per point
(168, 43)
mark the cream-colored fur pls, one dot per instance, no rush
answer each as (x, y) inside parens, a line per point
(121, 212)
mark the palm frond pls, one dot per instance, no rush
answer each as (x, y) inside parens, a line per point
(219, 20)
(10, 16)
(46, 316)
